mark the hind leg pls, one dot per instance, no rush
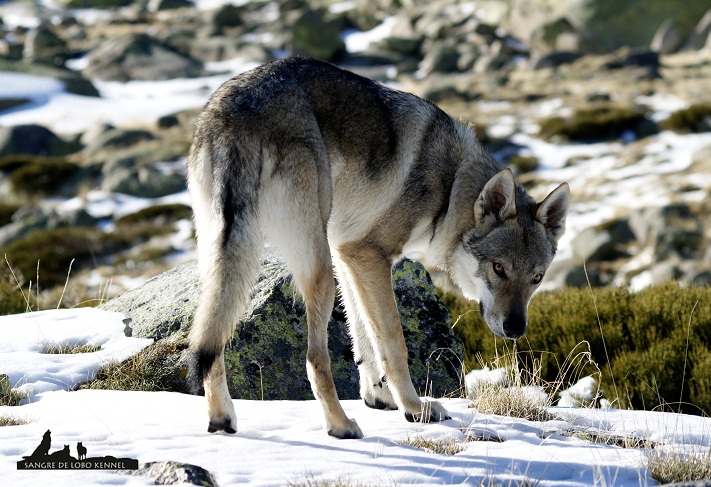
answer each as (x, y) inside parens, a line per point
(374, 391)
(296, 227)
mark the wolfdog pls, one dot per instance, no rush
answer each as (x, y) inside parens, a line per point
(340, 172)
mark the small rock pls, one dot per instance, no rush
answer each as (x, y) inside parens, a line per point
(556, 59)
(667, 39)
(44, 45)
(441, 58)
(700, 35)
(160, 5)
(146, 182)
(226, 17)
(170, 473)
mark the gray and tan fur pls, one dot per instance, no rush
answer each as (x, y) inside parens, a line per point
(340, 172)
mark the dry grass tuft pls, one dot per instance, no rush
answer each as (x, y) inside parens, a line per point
(67, 349)
(441, 446)
(679, 466)
(514, 401)
(6, 420)
(153, 369)
(310, 481)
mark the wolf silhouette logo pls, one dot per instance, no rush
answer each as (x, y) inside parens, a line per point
(81, 451)
(41, 459)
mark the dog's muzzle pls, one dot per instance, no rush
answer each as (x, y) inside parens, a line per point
(514, 326)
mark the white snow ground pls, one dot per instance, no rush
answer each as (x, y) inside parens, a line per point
(282, 442)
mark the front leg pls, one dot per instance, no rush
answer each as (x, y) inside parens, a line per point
(373, 390)
(367, 272)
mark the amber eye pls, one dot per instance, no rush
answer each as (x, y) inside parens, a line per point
(499, 270)
(537, 279)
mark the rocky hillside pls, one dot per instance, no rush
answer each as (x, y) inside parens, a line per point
(99, 97)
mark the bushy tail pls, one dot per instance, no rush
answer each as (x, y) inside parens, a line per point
(224, 296)
(224, 187)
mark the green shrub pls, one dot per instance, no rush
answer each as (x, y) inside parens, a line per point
(696, 118)
(6, 212)
(523, 164)
(97, 3)
(159, 213)
(645, 339)
(9, 163)
(598, 123)
(56, 248)
(11, 299)
(42, 176)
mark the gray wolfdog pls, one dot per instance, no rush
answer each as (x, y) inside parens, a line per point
(340, 172)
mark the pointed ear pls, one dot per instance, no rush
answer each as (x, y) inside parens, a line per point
(553, 210)
(498, 198)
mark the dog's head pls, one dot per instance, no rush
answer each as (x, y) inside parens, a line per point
(501, 261)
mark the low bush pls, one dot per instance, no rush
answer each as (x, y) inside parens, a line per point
(602, 122)
(645, 341)
(97, 3)
(55, 249)
(159, 213)
(6, 212)
(523, 164)
(11, 299)
(696, 118)
(38, 176)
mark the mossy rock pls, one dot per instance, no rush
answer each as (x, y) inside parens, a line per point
(267, 356)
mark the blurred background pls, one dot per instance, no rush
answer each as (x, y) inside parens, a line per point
(98, 100)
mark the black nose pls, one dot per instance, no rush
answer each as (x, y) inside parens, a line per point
(514, 327)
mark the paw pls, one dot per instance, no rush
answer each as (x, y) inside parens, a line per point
(222, 424)
(430, 412)
(378, 403)
(350, 431)
(378, 396)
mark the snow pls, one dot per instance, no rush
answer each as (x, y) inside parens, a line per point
(27, 336)
(279, 442)
(357, 41)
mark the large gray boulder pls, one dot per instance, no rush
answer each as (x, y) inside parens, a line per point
(605, 25)
(139, 57)
(267, 355)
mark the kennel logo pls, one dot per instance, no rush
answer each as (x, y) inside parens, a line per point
(42, 459)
